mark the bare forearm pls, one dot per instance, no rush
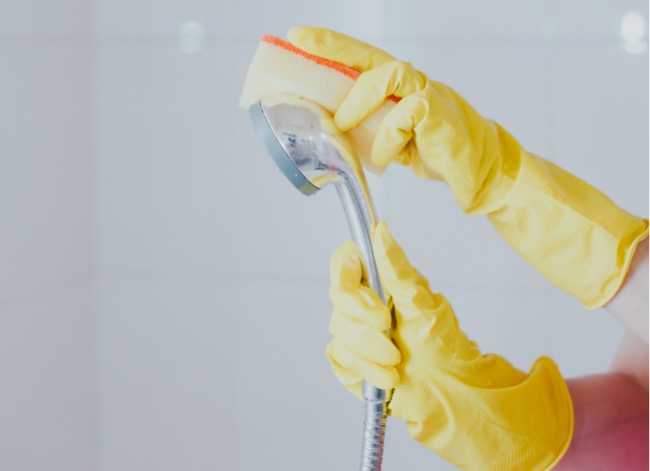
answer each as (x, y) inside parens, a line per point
(611, 424)
(632, 359)
(630, 305)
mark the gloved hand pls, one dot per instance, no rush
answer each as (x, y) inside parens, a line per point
(475, 410)
(569, 231)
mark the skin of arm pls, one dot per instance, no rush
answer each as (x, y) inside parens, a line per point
(630, 305)
(611, 424)
(611, 410)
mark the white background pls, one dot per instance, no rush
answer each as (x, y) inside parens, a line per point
(163, 290)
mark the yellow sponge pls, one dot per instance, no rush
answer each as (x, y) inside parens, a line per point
(280, 67)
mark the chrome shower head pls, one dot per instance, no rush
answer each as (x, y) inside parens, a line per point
(305, 144)
(309, 150)
(293, 131)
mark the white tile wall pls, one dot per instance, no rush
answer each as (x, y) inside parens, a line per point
(46, 165)
(600, 120)
(165, 346)
(163, 178)
(48, 397)
(200, 338)
(234, 19)
(31, 19)
(423, 21)
(585, 20)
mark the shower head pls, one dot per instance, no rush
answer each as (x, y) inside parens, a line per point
(309, 150)
(294, 131)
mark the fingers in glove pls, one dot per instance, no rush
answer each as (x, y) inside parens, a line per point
(383, 377)
(351, 381)
(346, 272)
(363, 340)
(364, 306)
(394, 138)
(372, 88)
(410, 292)
(349, 295)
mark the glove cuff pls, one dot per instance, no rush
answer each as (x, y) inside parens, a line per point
(569, 231)
(548, 388)
(541, 413)
(525, 425)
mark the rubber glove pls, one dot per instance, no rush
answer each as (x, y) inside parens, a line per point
(569, 231)
(475, 410)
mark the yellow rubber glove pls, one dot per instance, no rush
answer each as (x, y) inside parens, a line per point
(476, 411)
(570, 232)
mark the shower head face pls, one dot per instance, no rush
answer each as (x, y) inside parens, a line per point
(312, 153)
(294, 132)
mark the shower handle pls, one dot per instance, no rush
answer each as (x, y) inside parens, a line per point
(359, 212)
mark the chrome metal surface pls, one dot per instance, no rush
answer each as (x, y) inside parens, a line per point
(303, 150)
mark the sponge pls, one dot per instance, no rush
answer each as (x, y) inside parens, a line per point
(280, 67)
